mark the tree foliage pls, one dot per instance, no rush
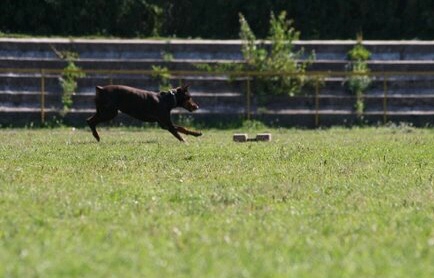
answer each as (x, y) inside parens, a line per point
(315, 19)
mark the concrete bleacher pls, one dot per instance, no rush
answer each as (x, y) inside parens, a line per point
(409, 66)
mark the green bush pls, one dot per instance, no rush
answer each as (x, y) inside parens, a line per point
(278, 63)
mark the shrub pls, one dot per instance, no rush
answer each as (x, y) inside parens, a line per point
(278, 63)
(279, 68)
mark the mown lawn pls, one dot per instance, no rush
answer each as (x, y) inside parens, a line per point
(336, 203)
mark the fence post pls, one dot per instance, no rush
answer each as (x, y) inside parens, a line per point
(42, 96)
(316, 102)
(248, 99)
(385, 99)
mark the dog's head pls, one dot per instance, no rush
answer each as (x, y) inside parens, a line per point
(184, 99)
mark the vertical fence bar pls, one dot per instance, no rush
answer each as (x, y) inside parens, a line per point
(317, 102)
(385, 88)
(42, 96)
(248, 104)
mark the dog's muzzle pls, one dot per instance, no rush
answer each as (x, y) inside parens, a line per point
(191, 106)
(194, 107)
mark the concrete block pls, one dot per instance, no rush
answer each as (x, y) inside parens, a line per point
(240, 137)
(263, 137)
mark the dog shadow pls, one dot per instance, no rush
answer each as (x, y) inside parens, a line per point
(114, 143)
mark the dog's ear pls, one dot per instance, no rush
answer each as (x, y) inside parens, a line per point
(185, 87)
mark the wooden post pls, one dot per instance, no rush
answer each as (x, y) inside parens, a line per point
(316, 102)
(248, 95)
(385, 99)
(42, 96)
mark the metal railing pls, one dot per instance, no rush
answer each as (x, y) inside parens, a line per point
(244, 76)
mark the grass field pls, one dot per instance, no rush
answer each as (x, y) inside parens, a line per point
(327, 203)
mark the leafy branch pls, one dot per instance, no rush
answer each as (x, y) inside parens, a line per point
(359, 80)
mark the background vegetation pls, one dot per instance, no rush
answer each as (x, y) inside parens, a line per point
(334, 19)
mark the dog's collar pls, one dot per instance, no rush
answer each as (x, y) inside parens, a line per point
(175, 101)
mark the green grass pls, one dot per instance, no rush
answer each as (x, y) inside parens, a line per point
(337, 203)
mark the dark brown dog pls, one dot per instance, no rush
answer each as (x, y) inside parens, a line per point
(144, 105)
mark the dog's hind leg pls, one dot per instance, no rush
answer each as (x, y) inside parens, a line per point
(92, 122)
(100, 117)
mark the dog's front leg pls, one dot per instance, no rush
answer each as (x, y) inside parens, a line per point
(188, 132)
(175, 133)
(172, 129)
